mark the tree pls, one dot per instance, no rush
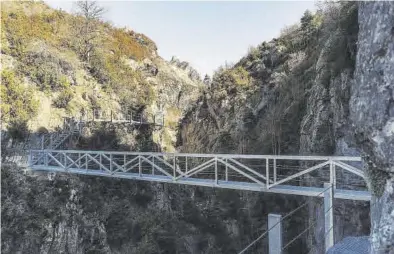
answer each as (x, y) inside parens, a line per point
(207, 80)
(88, 31)
(306, 19)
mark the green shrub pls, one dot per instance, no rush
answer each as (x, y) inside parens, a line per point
(18, 130)
(63, 99)
(17, 102)
(46, 70)
(21, 29)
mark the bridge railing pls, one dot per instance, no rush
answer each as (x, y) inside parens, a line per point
(241, 171)
(125, 117)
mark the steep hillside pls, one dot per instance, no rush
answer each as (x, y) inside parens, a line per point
(71, 65)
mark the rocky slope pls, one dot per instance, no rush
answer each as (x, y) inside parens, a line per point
(122, 74)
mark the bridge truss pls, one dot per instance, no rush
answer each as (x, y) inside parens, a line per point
(296, 175)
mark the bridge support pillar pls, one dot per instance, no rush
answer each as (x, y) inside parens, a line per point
(275, 234)
(328, 215)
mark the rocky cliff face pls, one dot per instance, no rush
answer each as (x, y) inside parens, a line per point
(76, 214)
(289, 96)
(372, 114)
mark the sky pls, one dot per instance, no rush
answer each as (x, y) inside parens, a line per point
(204, 33)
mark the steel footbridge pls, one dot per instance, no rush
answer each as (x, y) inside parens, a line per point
(265, 173)
(328, 177)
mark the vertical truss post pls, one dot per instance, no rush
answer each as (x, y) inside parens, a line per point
(110, 163)
(174, 167)
(79, 160)
(274, 170)
(153, 165)
(216, 170)
(186, 165)
(65, 161)
(328, 215)
(267, 172)
(86, 161)
(124, 162)
(29, 159)
(333, 177)
(275, 234)
(226, 171)
(139, 165)
(101, 163)
(42, 142)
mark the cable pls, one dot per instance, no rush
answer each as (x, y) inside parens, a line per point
(310, 225)
(284, 217)
(323, 236)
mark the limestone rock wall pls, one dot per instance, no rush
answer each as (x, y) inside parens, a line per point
(372, 114)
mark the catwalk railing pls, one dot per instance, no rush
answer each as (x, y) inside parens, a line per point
(121, 117)
(297, 175)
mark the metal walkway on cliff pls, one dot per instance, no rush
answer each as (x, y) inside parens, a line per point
(125, 118)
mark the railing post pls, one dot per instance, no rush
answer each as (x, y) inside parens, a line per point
(186, 165)
(153, 167)
(79, 160)
(174, 170)
(274, 170)
(65, 161)
(216, 171)
(328, 215)
(333, 177)
(101, 168)
(124, 162)
(87, 161)
(226, 171)
(139, 165)
(29, 159)
(267, 172)
(46, 158)
(274, 234)
(110, 163)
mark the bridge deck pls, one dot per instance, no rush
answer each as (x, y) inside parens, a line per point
(281, 189)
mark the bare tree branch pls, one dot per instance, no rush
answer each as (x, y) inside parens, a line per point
(88, 31)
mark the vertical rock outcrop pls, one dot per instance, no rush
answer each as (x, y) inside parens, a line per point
(372, 114)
